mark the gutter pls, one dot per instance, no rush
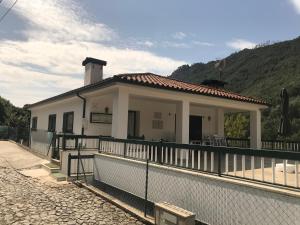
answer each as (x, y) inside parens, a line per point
(83, 110)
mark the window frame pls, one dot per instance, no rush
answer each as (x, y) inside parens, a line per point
(34, 121)
(52, 123)
(65, 119)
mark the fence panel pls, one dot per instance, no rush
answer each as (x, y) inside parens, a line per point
(41, 141)
(214, 201)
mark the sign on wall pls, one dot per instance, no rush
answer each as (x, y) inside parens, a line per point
(101, 118)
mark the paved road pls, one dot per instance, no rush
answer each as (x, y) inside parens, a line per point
(25, 200)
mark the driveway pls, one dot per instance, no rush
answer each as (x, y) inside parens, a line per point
(14, 156)
(25, 200)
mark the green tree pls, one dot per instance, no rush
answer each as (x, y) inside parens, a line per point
(237, 125)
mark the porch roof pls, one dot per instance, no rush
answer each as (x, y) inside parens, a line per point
(155, 81)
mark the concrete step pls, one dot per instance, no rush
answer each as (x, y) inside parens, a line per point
(89, 177)
(55, 161)
(51, 168)
(59, 176)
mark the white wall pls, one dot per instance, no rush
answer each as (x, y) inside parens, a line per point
(98, 105)
(58, 108)
(147, 109)
(214, 200)
(208, 126)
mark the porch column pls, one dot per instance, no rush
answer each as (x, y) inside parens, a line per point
(220, 122)
(255, 129)
(120, 114)
(182, 122)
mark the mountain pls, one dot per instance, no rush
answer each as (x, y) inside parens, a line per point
(260, 72)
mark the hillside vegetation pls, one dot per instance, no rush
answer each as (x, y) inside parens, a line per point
(260, 72)
(12, 116)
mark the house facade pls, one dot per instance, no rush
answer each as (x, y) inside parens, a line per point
(144, 106)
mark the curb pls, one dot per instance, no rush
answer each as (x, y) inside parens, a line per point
(127, 208)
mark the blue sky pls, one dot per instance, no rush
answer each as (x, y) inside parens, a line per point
(43, 42)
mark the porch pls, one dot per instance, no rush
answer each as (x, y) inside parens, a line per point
(154, 115)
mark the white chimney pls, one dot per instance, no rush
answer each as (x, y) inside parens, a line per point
(93, 70)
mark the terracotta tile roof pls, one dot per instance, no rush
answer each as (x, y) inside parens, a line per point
(154, 80)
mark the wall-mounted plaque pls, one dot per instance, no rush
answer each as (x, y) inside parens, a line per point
(101, 118)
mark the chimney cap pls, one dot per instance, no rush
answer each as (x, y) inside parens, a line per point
(93, 60)
(214, 83)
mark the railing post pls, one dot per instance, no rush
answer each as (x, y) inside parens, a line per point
(125, 150)
(160, 147)
(76, 142)
(69, 165)
(56, 149)
(64, 142)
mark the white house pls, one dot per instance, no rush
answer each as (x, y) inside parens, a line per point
(143, 105)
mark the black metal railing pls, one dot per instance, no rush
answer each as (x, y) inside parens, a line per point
(80, 165)
(265, 144)
(238, 142)
(269, 166)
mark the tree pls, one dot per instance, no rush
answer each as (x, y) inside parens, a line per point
(237, 125)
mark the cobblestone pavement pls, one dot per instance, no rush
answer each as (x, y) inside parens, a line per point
(25, 200)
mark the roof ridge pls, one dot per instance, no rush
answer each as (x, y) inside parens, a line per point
(135, 74)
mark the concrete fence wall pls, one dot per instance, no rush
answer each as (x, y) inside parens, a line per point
(216, 201)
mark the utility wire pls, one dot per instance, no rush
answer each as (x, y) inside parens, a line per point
(2, 17)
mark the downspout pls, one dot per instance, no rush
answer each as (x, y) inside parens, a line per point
(29, 130)
(83, 110)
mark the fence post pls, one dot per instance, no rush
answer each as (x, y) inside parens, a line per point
(78, 158)
(146, 188)
(69, 165)
(99, 144)
(219, 162)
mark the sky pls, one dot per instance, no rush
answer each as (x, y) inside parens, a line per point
(43, 42)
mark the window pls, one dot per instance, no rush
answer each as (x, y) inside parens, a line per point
(157, 115)
(52, 123)
(34, 123)
(68, 120)
(133, 123)
(157, 124)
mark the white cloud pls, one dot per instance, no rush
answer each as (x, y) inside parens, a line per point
(148, 44)
(179, 35)
(296, 4)
(171, 44)
(241, 44)
(200, 43)
(59, 35)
